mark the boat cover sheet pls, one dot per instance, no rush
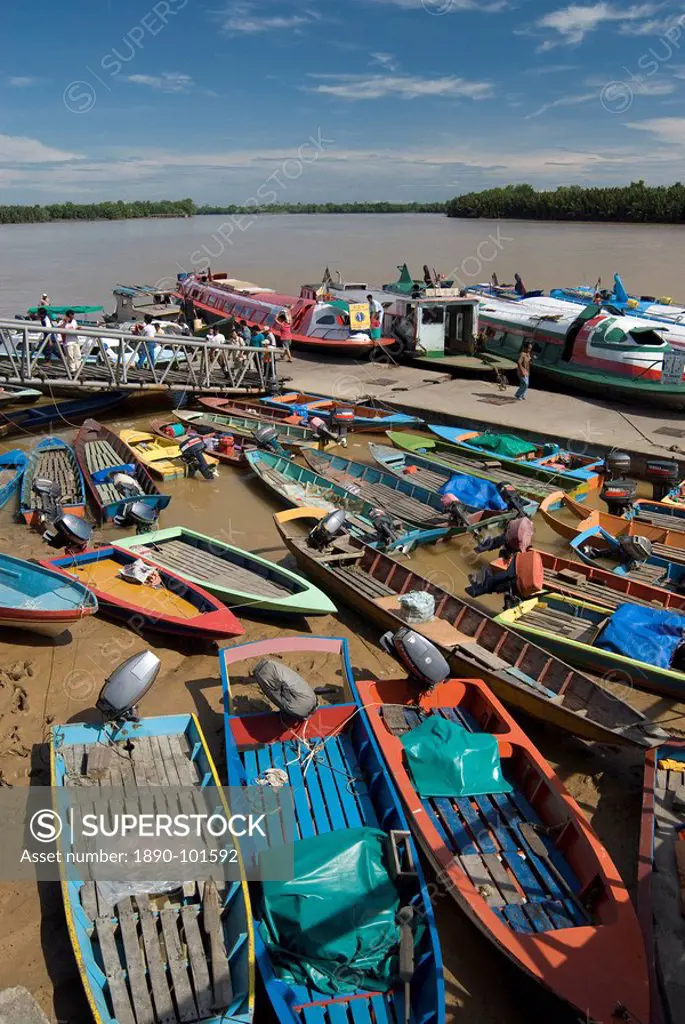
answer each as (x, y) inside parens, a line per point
(333, 925)
(645, 634)
(476, 493)
(503, 444)
(444, 759)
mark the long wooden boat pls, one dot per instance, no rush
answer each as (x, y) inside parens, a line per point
(659, 888)
(250, 407)
(161, 456)
(55, 460)
(516, 669)
(99, 453)
(524, 865)
(187, 952)
(28, 420)
(12, 466)
(290, 435)
(326, 801)
(431, 475)
(667, 543)
(570, 628)
(657, 579)
(589, 581)
(225, 450)
(238, 578)
(548, 462)
(10, 393)
(431, 451)
(176, 606)
(367, 417)
(40, 600)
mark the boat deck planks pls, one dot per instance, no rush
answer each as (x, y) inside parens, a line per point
(103, 575)
(182, 557)
(114, 971)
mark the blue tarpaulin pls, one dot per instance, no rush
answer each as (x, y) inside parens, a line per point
(474, 492)
(645, 634)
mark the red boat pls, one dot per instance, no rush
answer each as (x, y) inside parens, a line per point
(252, 409)
(524, 865)
(317, 326)
(230, 454)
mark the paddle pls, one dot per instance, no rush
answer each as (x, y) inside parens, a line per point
(405, 919)
(533, 839)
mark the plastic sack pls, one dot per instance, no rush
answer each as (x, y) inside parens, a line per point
(510, 445)
(288, 690)
(417, 606)
(332, 926)
(445, 759)
(645, 634)
(474, 492)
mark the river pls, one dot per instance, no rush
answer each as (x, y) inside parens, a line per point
(80, 263)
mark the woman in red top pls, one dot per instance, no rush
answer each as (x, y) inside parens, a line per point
(285, 334)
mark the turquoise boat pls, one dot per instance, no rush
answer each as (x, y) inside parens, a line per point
(12, 466)
(188, 950)
(290, 435)
(40, 599)
(52, 459)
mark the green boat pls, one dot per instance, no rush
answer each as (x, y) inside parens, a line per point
(572, 629)
(289, 435)
(238, 578)
(442, 453)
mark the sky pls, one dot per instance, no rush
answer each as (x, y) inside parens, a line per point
(261, 101)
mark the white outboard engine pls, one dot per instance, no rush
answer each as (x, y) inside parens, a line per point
(423, 662)
(327, 529)
(192, 452)
(127, 486)
(266, 437)
(388, 530)
(60, 529)
(291, 694)
(138, 514)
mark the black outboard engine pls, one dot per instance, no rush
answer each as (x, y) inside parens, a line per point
(512, 498)
(619, 495)
(387, 529)
(422, 661)
(138, 514)
(322, 430)
(266, 437)
(523, 577)
(192, 452)
(60, 529)
(342, 420)
(634, 550)
(455, 510)
(327, 529)
(616, 465)
(664, 476)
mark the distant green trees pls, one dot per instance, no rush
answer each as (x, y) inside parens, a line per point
(114, 210)
(663, 204)
(328, 208)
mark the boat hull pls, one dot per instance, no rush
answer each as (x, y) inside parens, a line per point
(56, 460)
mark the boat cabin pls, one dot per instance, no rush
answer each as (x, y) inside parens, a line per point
(134, 302)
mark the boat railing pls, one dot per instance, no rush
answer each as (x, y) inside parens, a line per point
(107, 357)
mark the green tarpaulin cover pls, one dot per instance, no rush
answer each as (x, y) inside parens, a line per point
(333, 925)
(61, 310)
(503, 444)
(446, 760)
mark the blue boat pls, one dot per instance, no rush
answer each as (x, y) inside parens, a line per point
(189, 949)
(476, 492)
(343, 788)
(366, 416)
(52, 459)
(596, 545)
(65, 412)
(12, 466)
(40, 600)
(618, 300)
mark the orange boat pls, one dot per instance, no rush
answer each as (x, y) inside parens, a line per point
(667, 541)
(525, 866)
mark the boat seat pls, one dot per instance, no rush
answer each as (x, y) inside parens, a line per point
(438, 631)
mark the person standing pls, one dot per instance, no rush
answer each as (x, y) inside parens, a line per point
(183, 326)
(523, 369)
(148, 349)
(375, 332)
(72, 348)
(375, 307)
(285, 332)
(51, 346)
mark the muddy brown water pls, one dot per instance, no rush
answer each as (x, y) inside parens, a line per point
(42, 682)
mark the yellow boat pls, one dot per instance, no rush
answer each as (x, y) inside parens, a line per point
(160, 456)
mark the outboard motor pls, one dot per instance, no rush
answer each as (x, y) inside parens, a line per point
(512, 498)
(342, 420)
(455, 510)
(192, 452)
(60, 529)
(291, 694)
(634, 550)
(664, 476)
(327, 529)
(422, 661)
(387, 529)
(323, 431)
(619, 495)
(127, 486)
(518, 536)
(523, 577)
(138, 514)
(616, 465)
(266, 437)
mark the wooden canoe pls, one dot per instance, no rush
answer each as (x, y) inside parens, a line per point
(120, 946)
(54, 460)
(323, 802)
(547, 462)
(28, 420)
(420, 449)
(160, 456)
(238, 578)
(602, 586)
(177, 607)
(250, 407)
(98, 452)
(663, 576)
(12, 466)
(369, 417)
(569, 627)
(289, 435)
(40, 600)
(230, 455)
(578, 937)
(660, 892)
(519, 672)
(666, 542)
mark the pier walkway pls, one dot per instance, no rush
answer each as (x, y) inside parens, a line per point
(102, 359)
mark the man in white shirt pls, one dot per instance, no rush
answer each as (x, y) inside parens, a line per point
(148, 348)
(215, 337)
(72, 348)
(375, 307)
(51, 346)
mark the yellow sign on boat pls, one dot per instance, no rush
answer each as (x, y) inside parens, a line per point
(360, 316)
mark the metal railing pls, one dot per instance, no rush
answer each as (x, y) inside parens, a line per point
(101, 357)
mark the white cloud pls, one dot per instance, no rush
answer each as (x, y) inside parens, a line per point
(439, 7)
(384, 60)
(24, 81)
(670, 130)
(406, 87)
(551, 69)
(246, 19)
(574, 22)
(653, 26)
(168, 81)
(17, 149)
(564, 101)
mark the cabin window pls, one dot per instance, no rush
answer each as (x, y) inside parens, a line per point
(646, 338)
(327, 319)
(432, 314)
(270, 319)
